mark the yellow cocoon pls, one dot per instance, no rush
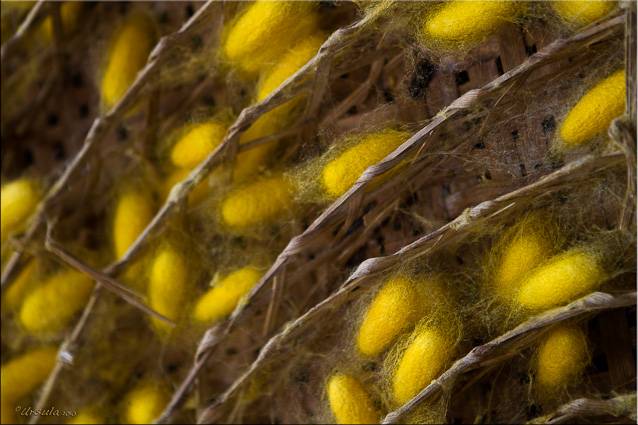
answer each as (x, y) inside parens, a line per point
(70, 18)
(349, 402)
(259, 36)
(222, 299)
(168, 284)
(88, 416)
(50, 307)
(562, 356)
(18, 289)
(18, 201)
(581, 13)
(525, 247)
(129, 52)
(595, 111)
(145, 403)
(260, 202)
(564, 278)
(198, 141)
(248, 162)
(134, 211)
(463, 24)
(422, 362)
(22, 375)
(396, 307)
(342, 172)
(197, 195)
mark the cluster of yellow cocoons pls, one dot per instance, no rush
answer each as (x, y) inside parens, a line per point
(527, 276)
(396, 308)
(18, 201)
(595, 111)
(130, 47)
(22, 375)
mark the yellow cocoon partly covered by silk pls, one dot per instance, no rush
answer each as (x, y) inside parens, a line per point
(130, 47)
(261, 202)
(18, 201)
(342, 172)
(595, 111)
(524, 247)
(562, 279)
(221, 300)
(145, 403)
(581, 13)
(265, 30)
(562, 356)
(50, 307)
(168, 284)
(198, 141)
(464, 24)
(25, 373)
(349, 402)
(426, 356)
(134, 211)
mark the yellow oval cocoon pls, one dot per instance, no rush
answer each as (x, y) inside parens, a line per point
(145, 403)
(396, 307)
(51, 306)
(581, 13)
(563, 279)
(70, 18)
(134, 211)
(168, 285)
(18, 201)
(222, 299)
(198, 141)
(525, 246)
(422, 362)
(88, 416)
(342, 172)
(349, 402)
(129, 52)
(562, 357)
(260, 202)
(21, 375)
(18, 289)
(464, 24)
(595, 111)
(260, 35)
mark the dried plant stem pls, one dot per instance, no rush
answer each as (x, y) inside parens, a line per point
(622, 406)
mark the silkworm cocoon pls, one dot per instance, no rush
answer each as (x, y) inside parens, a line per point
(266, 30)
(562, 356)
(595, 111)
(134, 211)
(51, 306)
(222, 299)
(69, 16)
(564, 278)
(18, 201)
(88, 416)
(422, 362)
(342, 172)
(396, 307)
(525, 246)
(197, 143)
(463, 24)
(22, 375)
(581, 13)
(168, 284)
(197, 195)
(18, 289)
(129, 52)
(260, 202)
(145, 403)
(349, 402)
